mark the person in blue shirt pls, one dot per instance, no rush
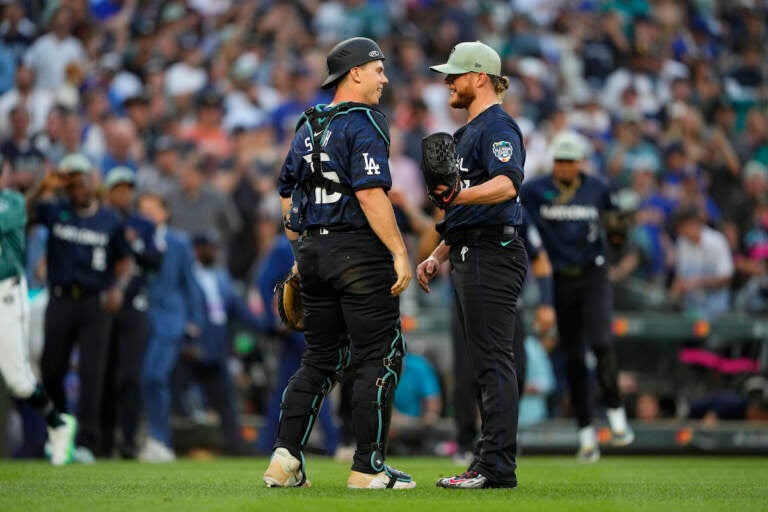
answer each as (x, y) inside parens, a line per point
(88, 260)
(488, 260)
(418, 402)
(353, 265)
(567, 207)
(130, 327)
(176, 311)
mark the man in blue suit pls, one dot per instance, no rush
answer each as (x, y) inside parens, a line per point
(205, 359)
(176, 311)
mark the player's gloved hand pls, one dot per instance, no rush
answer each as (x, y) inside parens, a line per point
(426, 270)
(440, 169)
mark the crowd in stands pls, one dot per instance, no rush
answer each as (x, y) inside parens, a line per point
(199, 99)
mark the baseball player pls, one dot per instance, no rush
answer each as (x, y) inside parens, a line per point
(14, 319)
(88, 261)
(488, 260)
(353, 265)
(566, 207)
(465, 388)
(130, 327)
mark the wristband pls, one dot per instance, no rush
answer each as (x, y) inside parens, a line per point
(546, 285)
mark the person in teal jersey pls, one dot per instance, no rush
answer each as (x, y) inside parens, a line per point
(14, 324)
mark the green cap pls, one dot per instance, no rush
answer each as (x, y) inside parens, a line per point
(118, 176)
(75, 163)
(471, 56)
(568, 146)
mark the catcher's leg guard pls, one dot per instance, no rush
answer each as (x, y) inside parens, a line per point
(302, 399)
(372, 397)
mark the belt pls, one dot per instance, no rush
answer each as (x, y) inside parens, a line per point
(327, 230)
(459, 235)
(574, 270)
(72, 291)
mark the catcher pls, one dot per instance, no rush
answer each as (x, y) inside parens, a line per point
(353, 266)
(480, 236)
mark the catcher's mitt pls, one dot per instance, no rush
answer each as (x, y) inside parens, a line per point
(438, 164)
(288, 295)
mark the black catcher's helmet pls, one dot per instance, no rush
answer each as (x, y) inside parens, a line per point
(348, 54)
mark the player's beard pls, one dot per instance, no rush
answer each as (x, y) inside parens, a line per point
(462, 98)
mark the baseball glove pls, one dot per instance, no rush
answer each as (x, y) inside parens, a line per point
(288, 294)
(439, 166)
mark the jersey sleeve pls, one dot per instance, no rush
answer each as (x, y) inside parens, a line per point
(292, 164)
(369, 152)
(532, 237)
(502, 153)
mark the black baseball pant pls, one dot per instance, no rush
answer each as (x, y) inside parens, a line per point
(77, 317)
(122, 387)
(488, 271)
(584, 306)
(350, 317)
(465, 390)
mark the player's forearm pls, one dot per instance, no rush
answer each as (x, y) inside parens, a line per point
(440, 254)
(285, 204)
(496, 190)
(381, 217)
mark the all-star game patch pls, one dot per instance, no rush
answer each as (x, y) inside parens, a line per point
(502, 150)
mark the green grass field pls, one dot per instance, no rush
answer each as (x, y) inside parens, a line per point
(546, 483)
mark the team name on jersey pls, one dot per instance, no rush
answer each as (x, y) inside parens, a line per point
(568, 212)
(80, 236)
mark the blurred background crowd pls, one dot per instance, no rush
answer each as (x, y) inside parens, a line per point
(199, 99)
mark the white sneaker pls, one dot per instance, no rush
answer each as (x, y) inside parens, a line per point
(284, 470)
(83, 455)
(390, 478)
(156, 452)
(623, 438)
(588, 454)
(62, 441)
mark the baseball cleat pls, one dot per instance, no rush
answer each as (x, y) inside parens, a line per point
(390, 478)
(588, 454)
(471, 479)
(284, 470)
(623, 438)
(62, 441)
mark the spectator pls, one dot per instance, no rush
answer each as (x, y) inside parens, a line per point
(195, 205)
(703, 266)
(50, 55)
(418, 402)
(27, 162)
(205, 360)
(176, 310)
(539, 383)
(207, 134)
(36, 101)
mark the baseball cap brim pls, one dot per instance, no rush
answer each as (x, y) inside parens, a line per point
(449, 69)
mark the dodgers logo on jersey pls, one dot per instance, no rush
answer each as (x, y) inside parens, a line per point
(502, 150)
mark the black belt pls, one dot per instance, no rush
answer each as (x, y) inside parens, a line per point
(574, 270)
(459, 235)
(72, 291)
(327, 230)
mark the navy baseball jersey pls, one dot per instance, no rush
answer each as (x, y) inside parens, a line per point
(569, 226)
(146, 254)
(355, 153)
(82, 250)
(489, 145)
